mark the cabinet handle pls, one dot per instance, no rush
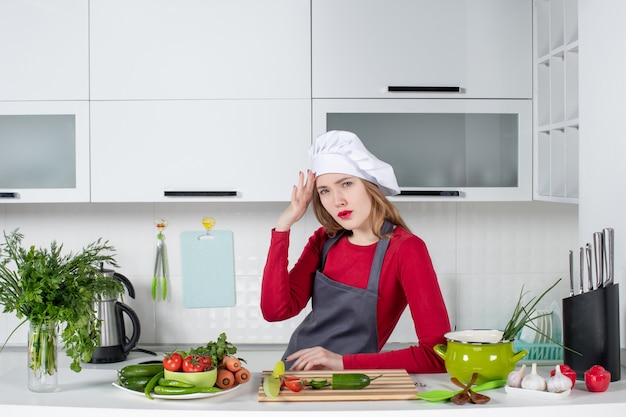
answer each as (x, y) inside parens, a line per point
(200, 193)
(9, 195)
(428, 193)
(423, 89)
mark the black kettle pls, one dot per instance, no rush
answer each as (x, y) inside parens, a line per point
(114, 345)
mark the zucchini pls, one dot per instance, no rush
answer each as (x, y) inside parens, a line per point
(165, 390)
(351, 381)
(318, 383)
(131, 371)
(136, 383)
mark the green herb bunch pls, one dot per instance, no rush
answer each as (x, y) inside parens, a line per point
(524, 313)
(216, 349)
(46, 287)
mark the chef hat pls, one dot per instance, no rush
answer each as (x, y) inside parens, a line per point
(343, 152)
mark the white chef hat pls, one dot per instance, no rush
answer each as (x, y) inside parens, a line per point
(342, 152)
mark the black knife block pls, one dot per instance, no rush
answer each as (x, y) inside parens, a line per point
(591, 327)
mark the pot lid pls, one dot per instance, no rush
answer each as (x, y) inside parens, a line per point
(475, 336)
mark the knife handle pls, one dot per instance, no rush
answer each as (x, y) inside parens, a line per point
(571, 273)
(589, 267)
(598, 248)
(581, 284)
(608, 241)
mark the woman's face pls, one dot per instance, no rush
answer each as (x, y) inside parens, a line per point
(346, 199)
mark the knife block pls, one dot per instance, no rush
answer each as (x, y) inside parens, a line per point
(591, 327)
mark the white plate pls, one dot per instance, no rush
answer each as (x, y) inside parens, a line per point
(179, 397)
(531, 393)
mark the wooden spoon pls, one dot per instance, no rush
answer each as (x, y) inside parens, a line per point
(475, 397)
(463, 396)
(443, 395)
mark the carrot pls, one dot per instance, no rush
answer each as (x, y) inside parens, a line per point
(242, 375)
(225, 378)
(231, 363)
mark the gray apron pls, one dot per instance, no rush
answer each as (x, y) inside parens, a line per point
(343, 318)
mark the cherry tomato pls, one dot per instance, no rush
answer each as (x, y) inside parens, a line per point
(173, 362)
(192, 364)
(597, 379)
(205, 361)
(568, 372)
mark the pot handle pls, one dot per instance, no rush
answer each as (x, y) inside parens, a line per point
(120, 309)
(441, 350)
(519, 355)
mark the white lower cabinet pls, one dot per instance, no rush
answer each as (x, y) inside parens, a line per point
(198, 150)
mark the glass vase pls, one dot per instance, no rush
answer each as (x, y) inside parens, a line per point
(42, 357)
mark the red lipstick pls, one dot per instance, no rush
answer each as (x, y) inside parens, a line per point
(344, 214)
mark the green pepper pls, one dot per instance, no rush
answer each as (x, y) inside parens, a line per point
(165, 390)
(351, 381)
(152, 384)
(174, 383)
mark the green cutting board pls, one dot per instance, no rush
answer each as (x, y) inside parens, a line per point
(208, 269)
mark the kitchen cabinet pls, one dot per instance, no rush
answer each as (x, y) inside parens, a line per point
(442, 149)
(556, 104)
(198, 150)
(45, 151)
(424, 48)
(44, 49)
(199, 49)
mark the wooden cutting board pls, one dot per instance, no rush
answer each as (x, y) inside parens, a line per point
(395, 384)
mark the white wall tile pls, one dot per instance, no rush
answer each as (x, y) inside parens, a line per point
(482, 252)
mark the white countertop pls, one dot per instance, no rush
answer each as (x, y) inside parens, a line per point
(91, 393)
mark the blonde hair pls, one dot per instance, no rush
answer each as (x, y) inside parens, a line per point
(382, 209)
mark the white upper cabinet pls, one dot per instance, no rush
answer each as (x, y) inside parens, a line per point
(198, 150)
(44, 151)
(361, 48)
(44, 50)
(200, 49)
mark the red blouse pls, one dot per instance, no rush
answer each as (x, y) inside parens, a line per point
(407, 277)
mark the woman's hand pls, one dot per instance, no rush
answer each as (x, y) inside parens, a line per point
(315, 358)
(300, 198)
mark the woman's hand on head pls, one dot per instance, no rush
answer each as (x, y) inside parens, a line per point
(301, 197)
(315, 358)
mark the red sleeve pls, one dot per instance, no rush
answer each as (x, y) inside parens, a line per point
(409, 266)
(285, 293)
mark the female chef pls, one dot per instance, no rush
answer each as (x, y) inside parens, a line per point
(360, 269)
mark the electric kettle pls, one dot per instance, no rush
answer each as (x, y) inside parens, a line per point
(114, 345)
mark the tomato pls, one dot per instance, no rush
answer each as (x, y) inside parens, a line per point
(597, 379)
(293, 383)
(192, 364)
(173, 362)
(205, 361)
(568, 372)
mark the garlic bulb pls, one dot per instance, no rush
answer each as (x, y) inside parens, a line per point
(515, 377)
(559, 382)
(534, 381)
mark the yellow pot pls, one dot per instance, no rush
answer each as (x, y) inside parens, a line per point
(478, 351)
